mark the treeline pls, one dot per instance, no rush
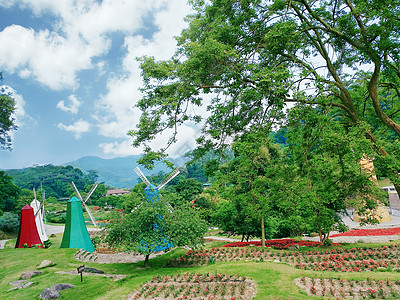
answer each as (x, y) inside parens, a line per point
(55, 181)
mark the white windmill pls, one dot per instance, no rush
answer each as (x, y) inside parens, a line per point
(151, 191)
(37, 210)
(86, 199)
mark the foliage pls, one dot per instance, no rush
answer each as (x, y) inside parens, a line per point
(321, 175)
(9, 222)
(251, 58)
(55, 180)
(9, 193)
(7, 121)
(185, 227)
(247, 177)
(150, 225)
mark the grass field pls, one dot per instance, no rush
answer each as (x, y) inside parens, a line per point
(274, 280)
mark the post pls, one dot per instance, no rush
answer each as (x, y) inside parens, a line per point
(80, 271)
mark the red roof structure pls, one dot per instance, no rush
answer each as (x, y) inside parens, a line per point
(28, 233)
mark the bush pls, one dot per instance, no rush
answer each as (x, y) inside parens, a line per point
(9, 222)
(47, 244)
(56, 219)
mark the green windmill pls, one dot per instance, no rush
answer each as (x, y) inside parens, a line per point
(76, 234)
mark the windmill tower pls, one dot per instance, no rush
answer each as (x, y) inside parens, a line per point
(152, 194)
(76, 234)
(37, 210)
(28, 233)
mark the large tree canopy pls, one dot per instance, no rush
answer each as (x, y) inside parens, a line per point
(254, 56)
(7, 121)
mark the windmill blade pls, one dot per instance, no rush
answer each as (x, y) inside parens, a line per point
(90, 214)
(169, 178)
(42, 205)
(95, 185)
(141, 175)
(169, 207)
(135, 208)
(76, 191)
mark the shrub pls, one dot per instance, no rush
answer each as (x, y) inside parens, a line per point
(9, 222)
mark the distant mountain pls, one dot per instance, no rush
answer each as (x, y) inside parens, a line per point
(117, 172)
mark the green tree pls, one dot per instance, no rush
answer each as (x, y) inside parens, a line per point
(248, 175)
(188, 189)
(9, 222)
(151, 225)
(7, 121)
(9, 193)
(254, 56)
(321, 175)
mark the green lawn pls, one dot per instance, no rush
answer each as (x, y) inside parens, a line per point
(273, 280)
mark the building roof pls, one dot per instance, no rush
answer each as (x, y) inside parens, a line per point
(117, 192)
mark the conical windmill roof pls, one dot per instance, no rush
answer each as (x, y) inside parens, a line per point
(76, 234)
(27, 233)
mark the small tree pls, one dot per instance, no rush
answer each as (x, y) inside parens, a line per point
(151, 226)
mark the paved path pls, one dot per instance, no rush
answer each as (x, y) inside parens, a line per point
(394, 222)
(3, 243)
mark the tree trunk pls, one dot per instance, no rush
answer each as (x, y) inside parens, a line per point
(262, 230)
(146, 260)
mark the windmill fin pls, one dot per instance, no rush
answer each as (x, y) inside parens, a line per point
(169, 178)
(95, 185)
(142, 176)
(90, 214)
(76, 191)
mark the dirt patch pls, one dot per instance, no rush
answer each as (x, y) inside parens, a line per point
(115, 277)
(196, 286)
(124, 257)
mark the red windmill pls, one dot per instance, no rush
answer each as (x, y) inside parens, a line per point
(28, 233)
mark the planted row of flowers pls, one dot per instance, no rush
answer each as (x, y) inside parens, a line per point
(336, 259)
(349, 260)
(355, 289)
(277, 243)
(370, 232)
(198, 286)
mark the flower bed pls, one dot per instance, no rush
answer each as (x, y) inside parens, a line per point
(354, 289)
(349, 260)
(278, 243)
(370, 232)
(336, 259)
(196, 286)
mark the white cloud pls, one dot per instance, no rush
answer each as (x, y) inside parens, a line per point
(71, 107)
(82, 31)
(123, 91)
(123, 148)
(78, 128)
(19, 113)
(46, 56)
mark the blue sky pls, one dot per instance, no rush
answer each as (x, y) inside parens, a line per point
(70, 65)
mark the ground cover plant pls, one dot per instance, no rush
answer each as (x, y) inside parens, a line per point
(369, 232)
